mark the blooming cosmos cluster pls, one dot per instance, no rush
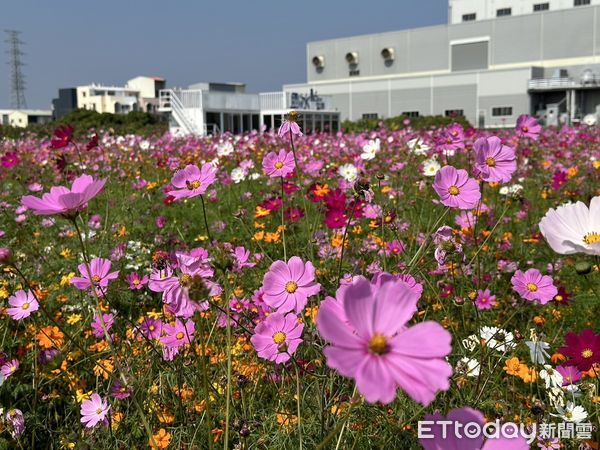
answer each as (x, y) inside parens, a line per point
(254, 288)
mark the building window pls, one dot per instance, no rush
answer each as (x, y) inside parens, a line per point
(411, 113)
(503, 12)
(469, 17)
(454, 112)
(541, 7)
(502, 111)
(354, 73)
(581, 2)
(368, 116)
(469, 56)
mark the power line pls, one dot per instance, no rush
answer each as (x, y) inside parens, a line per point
(15, 61)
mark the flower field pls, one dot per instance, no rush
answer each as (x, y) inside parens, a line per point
(275, 291)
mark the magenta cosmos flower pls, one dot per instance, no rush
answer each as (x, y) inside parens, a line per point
(494, 161)
(277, 337)
(99, 277)
(278, 164)
(192, 181)
(456, 189)
(372, 344)
(573, 228)
(135, 281)
(287, 286)
(9, 367)
(94, 411)
(485, 299)
(22, 305)
(65, 201)
(178, 334)
(534, 286)
(583, 349)
(439, 433)
(528, 126)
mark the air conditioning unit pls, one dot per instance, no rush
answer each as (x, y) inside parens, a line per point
(352, 58)
(318, 61)
(388, 54)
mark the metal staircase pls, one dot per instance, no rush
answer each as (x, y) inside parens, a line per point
(169, 101)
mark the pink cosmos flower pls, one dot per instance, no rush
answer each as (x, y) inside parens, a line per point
(395, 247)
(9, 160)
(570, 374)
(194, 271)
(23, 304)
(9, 367)
(65, 201)
(94, 411)
(485, 299)
(528, 126)
(372, 343)
(534, 286)
(456, 189)
(99, 277)
(494, 162)
(278, 164)
(192, 181)
(287, 286)
(277, 337)
(151, 328)
(96, 324)
(241, 256)
(135, 281)
(179, 334)
(451, 139)
(290, 126)
(437, 439)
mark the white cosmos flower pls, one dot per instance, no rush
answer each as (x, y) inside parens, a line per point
(468, 366)
(225, 148)
(573, 228)
(497, 338)
(370, 149)
(144, 145)
(551, 377)
(537, 351)
(348, 172)
(511, 190)
(418, 146)
(431, 167)
(238, 175)
(571, 413)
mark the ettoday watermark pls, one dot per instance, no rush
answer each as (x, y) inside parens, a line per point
(442, 429)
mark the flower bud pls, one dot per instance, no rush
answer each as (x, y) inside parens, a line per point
(583, 267)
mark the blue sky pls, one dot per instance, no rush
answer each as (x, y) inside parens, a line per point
(260, 42)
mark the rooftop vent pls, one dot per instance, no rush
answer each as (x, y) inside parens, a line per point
(352, 58)
(388, 54)
(318, 61)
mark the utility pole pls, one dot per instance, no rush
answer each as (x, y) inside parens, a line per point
(17, 79)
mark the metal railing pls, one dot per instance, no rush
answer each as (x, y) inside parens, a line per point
(170, 101)
(551, 83)
(273, 101)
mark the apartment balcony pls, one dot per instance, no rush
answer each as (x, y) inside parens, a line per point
(561, 84)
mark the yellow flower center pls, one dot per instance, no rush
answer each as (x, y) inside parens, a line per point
(279, 337)
(291, 287)
(491, 162)
(587, 353)
(99, 411)
(152, 328)
(453, 190)
(278, 165)
(191, 185)
(96, 278)
(525, 129)
(378, 344)
(568, 414)
(292, 116)
(136, 282)
(185, 279)
(559, 298)
(180, 335)
(531, 287)
(25, 306)
(592, 238)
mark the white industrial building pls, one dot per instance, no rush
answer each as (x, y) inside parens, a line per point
(493, 61)
(24, 117)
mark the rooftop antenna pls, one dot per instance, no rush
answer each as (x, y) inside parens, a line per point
(17, 79)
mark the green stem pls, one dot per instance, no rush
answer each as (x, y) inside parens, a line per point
(205, 220)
